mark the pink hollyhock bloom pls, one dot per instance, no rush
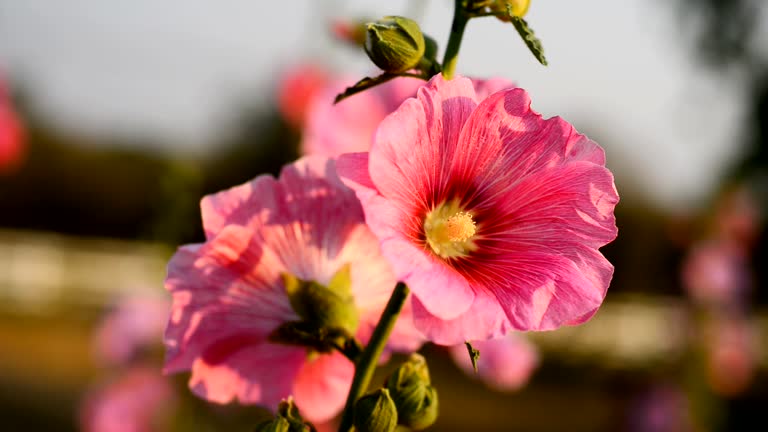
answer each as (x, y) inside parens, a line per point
(492, 215)
(11, 134)
(297, 88)
(505, 364)
(228, 294)
(134, 402)
(135, 324)
(716, 274)
(349, 126)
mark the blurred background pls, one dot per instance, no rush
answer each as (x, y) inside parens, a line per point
(117, 117)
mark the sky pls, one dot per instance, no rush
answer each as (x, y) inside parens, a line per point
(176, 71)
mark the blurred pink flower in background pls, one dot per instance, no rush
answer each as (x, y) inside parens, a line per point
(298, 86)
(349, 126)
(661, 408)
(133, 402)
(737, 217)
(228, 294)
(716, 274)
(12, 146)
(134, 325)
(504, 364)
(491, 215)
(732, 355)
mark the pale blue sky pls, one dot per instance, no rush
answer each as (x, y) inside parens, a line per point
(175, 69)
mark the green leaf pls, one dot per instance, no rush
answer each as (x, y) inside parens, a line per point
(530, 39)
(474, 354)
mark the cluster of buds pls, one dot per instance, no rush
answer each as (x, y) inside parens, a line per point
(408, 399)
(288, 419)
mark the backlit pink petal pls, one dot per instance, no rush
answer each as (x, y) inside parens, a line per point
(504, 364)
(322, 384)
(485, 319)
(228, 294)
(487, 201)
(348, 126)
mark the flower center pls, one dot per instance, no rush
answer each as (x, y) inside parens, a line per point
(450, 230)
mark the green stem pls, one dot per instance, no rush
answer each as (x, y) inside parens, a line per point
(451, 57)
(370, 356)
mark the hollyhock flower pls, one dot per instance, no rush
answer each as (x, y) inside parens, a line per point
(296, 89)
(229, 293)
(492, 215)
(134, 402)
(11, 134)
(135, 324)
(504, 364)
(349, 126)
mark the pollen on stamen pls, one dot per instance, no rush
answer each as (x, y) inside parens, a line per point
(460, 227)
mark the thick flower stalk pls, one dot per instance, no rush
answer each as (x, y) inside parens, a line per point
(272, 247)
(492, 215)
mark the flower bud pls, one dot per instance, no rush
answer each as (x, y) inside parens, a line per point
(518, 8)
(375, 412)
(329, 307)
(414, 397)
(395, 44)
(288, 419)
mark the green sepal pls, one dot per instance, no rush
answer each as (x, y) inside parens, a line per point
(474, 354)
(331, 307)
(531, 41)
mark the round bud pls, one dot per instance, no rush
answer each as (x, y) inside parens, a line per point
(413, 394)
(395, 44)
(375, 412)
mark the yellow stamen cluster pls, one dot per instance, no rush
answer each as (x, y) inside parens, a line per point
(450, 231)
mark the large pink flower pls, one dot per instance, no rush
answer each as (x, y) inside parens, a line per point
(228, 294)
(492, 215)
(505, 363)
(349, 126)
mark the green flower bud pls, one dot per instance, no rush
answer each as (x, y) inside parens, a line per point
(325, 307)
(375, 412)
(395, 44)
(518, 8)
(414, 397)
(288, 419)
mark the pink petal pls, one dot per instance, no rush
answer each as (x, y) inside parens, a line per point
(349, 125)
(483, 320)
(242, 375)
(412, 143)
(504, 141)
(428, 277)
(321, 387)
